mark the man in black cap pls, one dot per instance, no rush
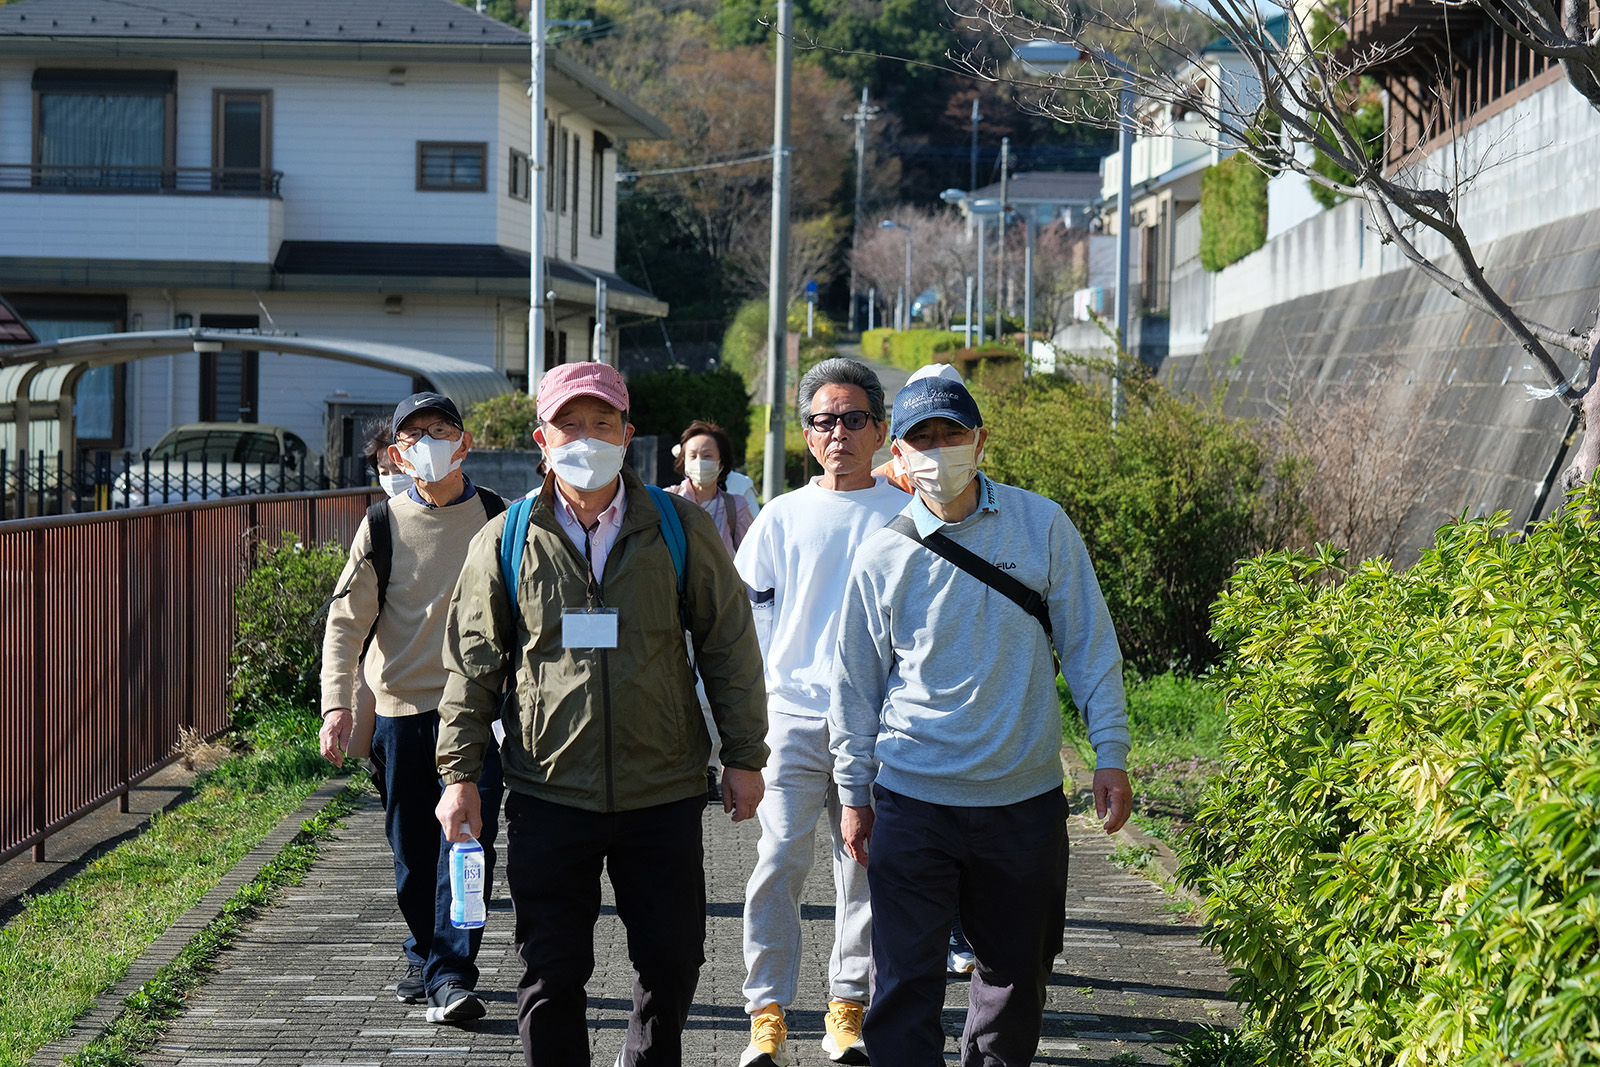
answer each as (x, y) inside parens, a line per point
(388, 620)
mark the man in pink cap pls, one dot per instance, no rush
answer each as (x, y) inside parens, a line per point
(605, 746)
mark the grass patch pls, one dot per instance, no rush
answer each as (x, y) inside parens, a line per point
(1176, 724)
(147, 1009)
(68, 945)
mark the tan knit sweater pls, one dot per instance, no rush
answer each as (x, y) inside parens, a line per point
(404, 664)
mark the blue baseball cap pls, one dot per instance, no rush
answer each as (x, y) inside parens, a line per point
(930, 398)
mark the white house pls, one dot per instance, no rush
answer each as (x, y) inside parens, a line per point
(332, 168)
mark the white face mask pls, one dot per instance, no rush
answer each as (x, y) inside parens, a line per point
(702, 472)
(432, 459)
(395, 484)
(587, 464)
(941, 473)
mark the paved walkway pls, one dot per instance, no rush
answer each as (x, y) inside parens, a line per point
(311, 981)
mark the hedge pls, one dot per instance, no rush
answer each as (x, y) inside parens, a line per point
(1233, 211)
(665, 402)
(1403, 855)
(1166, 505)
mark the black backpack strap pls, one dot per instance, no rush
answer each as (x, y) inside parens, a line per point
(1027, 599)
(382, 557)
(493, 503)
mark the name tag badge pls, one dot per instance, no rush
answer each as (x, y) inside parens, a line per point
(589, 628)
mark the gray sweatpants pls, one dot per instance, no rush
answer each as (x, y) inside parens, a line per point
(799, 781)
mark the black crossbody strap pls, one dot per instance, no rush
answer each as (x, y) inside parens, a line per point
(1027, 599)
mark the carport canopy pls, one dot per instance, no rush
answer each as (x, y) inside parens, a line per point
(39, 381)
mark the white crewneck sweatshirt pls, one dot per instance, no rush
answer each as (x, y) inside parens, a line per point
(796, 562)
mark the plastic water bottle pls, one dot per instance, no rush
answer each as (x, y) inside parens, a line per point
(466, 883)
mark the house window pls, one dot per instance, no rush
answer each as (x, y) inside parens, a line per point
(561, 172)
(577, 160)
(241, 139)
(549, 157)
(230, 380)
(597, 185)
(517, 184)
(451, 166)
(100, 397)
(104, 129)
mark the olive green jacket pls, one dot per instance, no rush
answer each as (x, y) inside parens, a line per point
(602, 729)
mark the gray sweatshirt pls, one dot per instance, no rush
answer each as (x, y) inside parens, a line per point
(944, 690)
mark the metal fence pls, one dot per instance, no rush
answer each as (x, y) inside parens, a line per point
(117, 631)
(45, 483)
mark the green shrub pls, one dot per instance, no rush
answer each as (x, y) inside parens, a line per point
(1401, 858)
(664, 402)
(744, 345)
(505, 421)
(276, 662)
(1233, 211)
(914, 349)
(1167, 505)
(873, 343)
(795, 454)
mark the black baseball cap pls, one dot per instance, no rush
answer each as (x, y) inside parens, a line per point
(427, 402)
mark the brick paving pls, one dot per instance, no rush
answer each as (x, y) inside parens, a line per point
(311, 981)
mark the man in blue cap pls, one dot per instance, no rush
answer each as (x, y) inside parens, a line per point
(388, 621)
(945, 729)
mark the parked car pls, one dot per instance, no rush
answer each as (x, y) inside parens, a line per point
(204, 460)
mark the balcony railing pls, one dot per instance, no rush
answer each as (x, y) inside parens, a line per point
(98, 178)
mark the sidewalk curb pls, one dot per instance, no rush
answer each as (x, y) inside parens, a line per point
(164, 949)
(1165, 860)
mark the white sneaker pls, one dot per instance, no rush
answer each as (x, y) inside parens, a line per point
(961, 962)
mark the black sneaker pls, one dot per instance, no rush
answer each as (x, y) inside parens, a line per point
(410, 990)
(451, 1003)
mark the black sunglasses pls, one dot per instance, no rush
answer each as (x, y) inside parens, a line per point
(824, 422)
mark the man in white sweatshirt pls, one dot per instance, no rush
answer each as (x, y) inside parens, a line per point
(946, 731)
(795, 560)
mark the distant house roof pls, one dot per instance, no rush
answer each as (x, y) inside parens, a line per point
(13, 331)
(439, 31)
(482, 268)
(1064, 187)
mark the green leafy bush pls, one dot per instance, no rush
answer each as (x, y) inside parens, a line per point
(664, 402)
(1166, 505)
(1233, 211)
(276, 660)
(744, 345)
(913, 349)
(1402, 856)
(505, 421)
(873, 343)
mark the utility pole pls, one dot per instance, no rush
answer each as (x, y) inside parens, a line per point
(536, 184)
(1001, 304)
(778, 278)
(972, 178)
(862, 115)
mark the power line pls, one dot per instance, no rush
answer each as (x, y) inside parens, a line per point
(629, 175)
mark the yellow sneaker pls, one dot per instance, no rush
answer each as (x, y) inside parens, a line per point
(843, 1043)
(769, 1040)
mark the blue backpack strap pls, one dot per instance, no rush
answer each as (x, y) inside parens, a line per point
(513, 541)
(671, 532)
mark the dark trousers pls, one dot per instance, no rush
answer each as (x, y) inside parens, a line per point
(655, 861)
(1005, 868)
(403, 752)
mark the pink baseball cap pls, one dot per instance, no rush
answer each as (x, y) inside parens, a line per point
(571, 380)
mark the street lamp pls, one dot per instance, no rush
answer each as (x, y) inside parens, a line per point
(905, 300)
(1052, 57)
(981, 208)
